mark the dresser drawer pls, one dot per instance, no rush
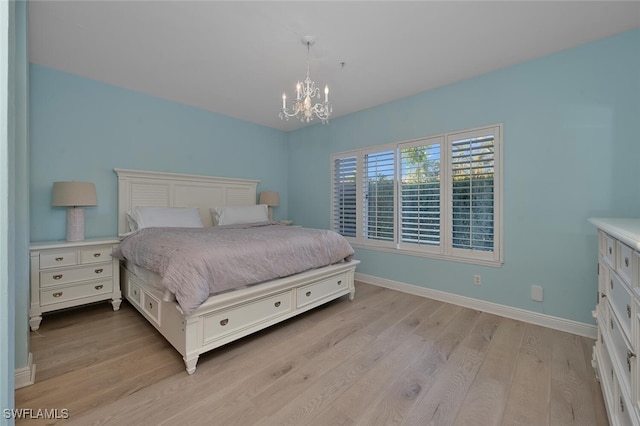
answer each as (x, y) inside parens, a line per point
(603, 280)
(635, 281)
(64, 276)
(610, 250)
(95, 254)
(314, 292)
(73, 292)
(602, 243)
(621, 300)
(624, 413)
(622, 356)
(58, 258)
(244, 316)
(624, 263)
(605, 368)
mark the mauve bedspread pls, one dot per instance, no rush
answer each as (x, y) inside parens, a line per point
(196, 262)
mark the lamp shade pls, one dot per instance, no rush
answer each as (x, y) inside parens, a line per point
(270, 198)
(67, 194)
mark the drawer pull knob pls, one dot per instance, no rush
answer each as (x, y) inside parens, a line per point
(626, 262)
(629, 356)
(340, 282)
(99, 270)
(58, 294)
(610, 250)
(277, 304)
(621, 405)
(96, 254)
(224, 322)
(611, 284)
(57, 277)
(59, 259)
(629, 311)
(150, 305)
(308, 294)
(98, 287)
(611, 322)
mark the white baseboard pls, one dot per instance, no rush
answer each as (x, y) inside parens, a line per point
(562, 324)
(26, 376)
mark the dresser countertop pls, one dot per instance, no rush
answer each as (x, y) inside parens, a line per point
(626, 230)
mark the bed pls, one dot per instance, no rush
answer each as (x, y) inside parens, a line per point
(230, 314)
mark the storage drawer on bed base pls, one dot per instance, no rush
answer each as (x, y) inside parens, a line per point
(315, 292)
(143, 300)
(246, 315)
(133, 293)
(151, 306)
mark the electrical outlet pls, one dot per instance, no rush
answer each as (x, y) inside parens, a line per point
(536, 293)
(477, 280)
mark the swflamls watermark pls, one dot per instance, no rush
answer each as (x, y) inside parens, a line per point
(36, 413)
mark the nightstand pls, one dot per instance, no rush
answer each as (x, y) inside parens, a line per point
(66, 274)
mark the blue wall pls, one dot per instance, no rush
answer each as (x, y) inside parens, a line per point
(571, 151)
(82, 129)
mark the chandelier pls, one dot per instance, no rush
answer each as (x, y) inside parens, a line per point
(303, 106)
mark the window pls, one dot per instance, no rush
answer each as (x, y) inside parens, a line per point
(344, 196)
(436, 197)
(420, 193)
(379, 182)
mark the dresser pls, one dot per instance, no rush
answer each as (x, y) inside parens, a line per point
(66, 274)
(615, 354)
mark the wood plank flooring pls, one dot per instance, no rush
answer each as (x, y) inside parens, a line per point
(387, 358)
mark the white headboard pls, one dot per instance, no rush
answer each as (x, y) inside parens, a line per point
(137, 188)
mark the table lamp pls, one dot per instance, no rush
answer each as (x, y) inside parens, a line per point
(74, 196)
(271, 199)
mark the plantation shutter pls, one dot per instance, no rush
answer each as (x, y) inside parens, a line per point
(473, 192)
(420, 191)
(436, 197)
(379, 196)
(344, 196)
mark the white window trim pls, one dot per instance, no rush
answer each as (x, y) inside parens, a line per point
(445, 251)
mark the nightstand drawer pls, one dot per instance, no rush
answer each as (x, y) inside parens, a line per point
(59, 295)
(64, 276)
(95, 254)
(58, 258)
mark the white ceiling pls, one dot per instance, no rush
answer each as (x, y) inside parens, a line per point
(237, 58)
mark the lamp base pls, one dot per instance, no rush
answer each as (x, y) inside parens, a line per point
(75, 224)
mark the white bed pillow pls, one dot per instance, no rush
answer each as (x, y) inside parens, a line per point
(176, 217)
(234, 215)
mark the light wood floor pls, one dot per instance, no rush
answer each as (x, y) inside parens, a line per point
(386, 358)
